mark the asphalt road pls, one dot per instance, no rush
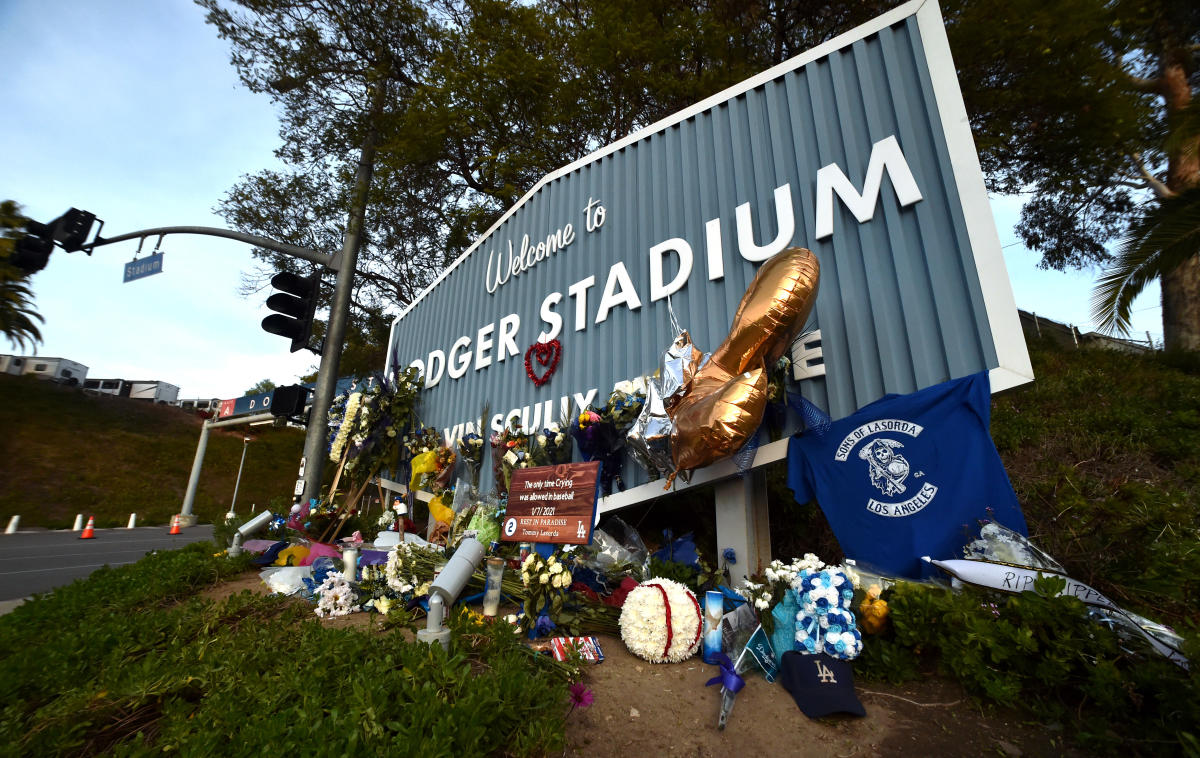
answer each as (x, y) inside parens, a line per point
(33, 562)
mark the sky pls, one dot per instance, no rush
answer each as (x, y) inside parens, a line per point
(130, 109)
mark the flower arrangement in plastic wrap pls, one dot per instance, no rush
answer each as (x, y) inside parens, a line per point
(431, 459)
(546, 581)
(601, 434)
(510, 450)
(470, 450)
(409, 569)
(551, 446)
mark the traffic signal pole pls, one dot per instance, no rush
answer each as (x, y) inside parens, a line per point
(339, 311)
(343, 263)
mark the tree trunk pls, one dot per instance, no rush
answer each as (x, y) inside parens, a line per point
(1181, 306)
(1181, 287)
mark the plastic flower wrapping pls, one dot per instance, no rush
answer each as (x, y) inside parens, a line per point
(546, 581)
(431, 460)
(510, 450)
(1000, 544)
(470, 450)
(661, 621)
(551, 446)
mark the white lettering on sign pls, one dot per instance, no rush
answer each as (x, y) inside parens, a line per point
(494, 342)
(517, 263)
(885, 154)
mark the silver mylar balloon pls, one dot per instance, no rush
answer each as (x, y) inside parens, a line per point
(649, 439)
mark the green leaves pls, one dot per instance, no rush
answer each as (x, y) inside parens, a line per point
(1038, 652)
(110, 664)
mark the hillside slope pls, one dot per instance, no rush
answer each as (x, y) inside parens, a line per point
(63, 452)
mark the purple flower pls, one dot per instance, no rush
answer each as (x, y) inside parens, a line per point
(544, 625)
(580, 695)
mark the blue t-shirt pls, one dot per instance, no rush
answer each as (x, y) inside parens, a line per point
(907, 476)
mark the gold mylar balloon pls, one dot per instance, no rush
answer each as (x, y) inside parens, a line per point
(719, 423)
(772, 312)
(728, 396)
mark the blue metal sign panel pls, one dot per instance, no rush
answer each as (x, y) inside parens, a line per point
(140, 268)
(858, 150)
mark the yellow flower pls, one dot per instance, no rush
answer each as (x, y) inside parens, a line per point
(383, 605)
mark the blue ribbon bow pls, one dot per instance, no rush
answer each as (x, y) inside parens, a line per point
(729, 678)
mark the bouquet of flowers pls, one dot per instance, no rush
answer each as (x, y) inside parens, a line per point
(510, 450)
(551, 446)
(765, 591)
(470, 449)
(600, 440)
(335, 596)
(409, 569)
(366, 427)
(432, 460)
(625, 403)
(546, 581)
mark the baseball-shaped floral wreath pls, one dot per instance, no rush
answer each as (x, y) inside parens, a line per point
(661, 621)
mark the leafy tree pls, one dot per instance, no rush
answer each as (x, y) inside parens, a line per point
(1082, 104)
(17, 314)
(320, 63)
(264, 385)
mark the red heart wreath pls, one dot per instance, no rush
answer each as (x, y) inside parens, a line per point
(547, 354)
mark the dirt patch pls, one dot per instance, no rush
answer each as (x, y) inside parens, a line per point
(647, 709)
(644, 709)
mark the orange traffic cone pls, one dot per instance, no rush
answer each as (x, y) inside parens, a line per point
(175, 525)
(89, 532)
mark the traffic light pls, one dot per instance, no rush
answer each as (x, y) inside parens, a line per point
(71, 230)
(289, 401)
(32, 252)
(294, 306)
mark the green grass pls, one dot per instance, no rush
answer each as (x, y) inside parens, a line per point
(63, 452)
(1103, 450)
(135, 661)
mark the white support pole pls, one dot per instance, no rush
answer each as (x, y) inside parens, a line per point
(742, 523)
(186, 517)
(13, 523)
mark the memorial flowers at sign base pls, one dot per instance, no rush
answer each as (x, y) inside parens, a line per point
(510, 450)
(661, 621)
(470, 451)
(546, 581)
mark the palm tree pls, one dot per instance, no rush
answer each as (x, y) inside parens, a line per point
(16, 298)
(1164, 238)
(16, 312)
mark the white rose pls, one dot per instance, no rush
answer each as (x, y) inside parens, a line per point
(624, 386)
(544, 578)
(639, 385)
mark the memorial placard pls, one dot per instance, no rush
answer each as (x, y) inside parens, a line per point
(552, 504)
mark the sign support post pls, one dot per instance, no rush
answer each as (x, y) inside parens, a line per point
(742, 523)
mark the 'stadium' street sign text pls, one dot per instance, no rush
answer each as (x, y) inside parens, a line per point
(140, 268)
